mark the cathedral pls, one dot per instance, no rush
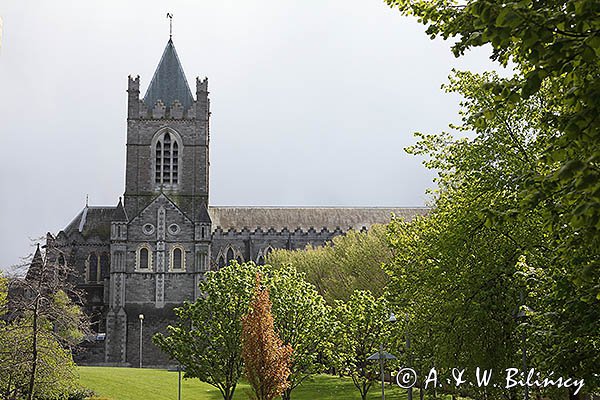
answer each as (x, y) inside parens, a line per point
(147, 254)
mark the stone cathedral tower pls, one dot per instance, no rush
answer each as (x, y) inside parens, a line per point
(167, 139)
(161, 249)
(147, 254)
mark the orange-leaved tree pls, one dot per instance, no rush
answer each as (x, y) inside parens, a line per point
(267, 360)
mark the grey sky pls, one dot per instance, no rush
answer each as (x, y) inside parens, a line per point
(312, 102)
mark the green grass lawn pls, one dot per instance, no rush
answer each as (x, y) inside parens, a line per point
(155, 384)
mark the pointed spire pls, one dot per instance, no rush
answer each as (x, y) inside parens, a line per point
(37, 257)
(169, 82)
(37, 264)
(203, 215)
(119, 214)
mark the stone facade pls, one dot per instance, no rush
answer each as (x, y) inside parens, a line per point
(147, 254)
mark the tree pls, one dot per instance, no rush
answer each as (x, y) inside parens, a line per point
(461, 272)
(206, 338)
(361, 326)
(42, 325)
(55, 375)
(213, 353)
(552, 42)
(267, 360)
(302, 319)
(554, 47)
(349, 262)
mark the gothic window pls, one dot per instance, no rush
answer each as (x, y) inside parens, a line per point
(261, 260)
(144, 258)
(221, 262)
(104, 266)
(230, 255)
(92, 272)
(177, 259)
(166, 160)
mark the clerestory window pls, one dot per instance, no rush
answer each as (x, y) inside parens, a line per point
(166, 160)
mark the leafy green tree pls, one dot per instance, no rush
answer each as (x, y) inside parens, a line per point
(554, 47)
(461, 272)
(56, 374)
(302, 320)
(206, 338)
(212, 351)
(41, 325)
(552, 42)
(349, 262)
(361, 327)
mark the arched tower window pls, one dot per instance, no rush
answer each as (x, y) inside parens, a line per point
(166, 159)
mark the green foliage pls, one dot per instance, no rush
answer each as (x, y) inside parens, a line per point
(3, 296)
(460, 273)
(206, 339)
(56, 375)
(41, 322)
(555, 47)
(349, 262)
(211, 350)
(302, 321)
(553, 193)
(361, 327)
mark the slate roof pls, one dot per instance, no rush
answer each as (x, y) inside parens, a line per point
(93, 221)
(169, 83)
(307, 217)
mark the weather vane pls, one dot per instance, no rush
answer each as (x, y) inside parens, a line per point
(170, 16)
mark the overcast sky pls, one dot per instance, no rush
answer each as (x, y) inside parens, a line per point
(312, 102)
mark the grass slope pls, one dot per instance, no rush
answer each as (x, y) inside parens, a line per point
(154, 384)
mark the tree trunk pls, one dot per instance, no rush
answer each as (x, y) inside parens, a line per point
(34, 350)
(572, 395)
(363, 393)
(287, 394)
